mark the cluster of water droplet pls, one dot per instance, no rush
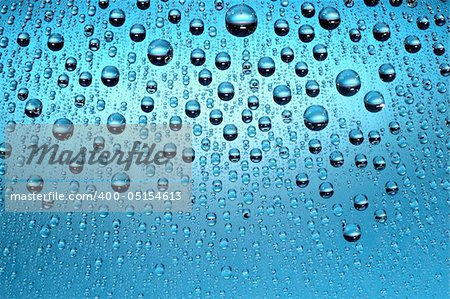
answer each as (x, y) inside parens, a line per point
(314, 124)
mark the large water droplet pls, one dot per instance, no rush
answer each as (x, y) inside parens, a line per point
(316, 118)
(348, 83)
(352, 232)
(110, 76)
(329, 18)
(160, 52)
(241, 20)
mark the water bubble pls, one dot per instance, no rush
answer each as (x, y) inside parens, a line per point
(355, 35)
(117, 17)
(143, 4)
(371, 3)
(360, 202)
(302, 180)
(380, 215)
(360, 161)
(314, 146)
(308, 9)
(103, 4)
(223, 61)
(85, 79)
(33, 108)
(241, 20)
(169, 150)
(256, 156)
(23, 39)
(266, 66)
(23, 94)
(110, 76)
(301, 69)
(137, 33)
(395, 3)
(147, 104)
(120, 182)
(282, 94)
(336, 159)
(444, 69)
(387, 72)
(374, 137)
(196, 27)
(316, 118)
(45, 231)
(35, 184)
(63, 129)
(306, 33)
(379, 163)
(281, 27)
(356, 137)
(439, 19)
(394, 127)
(234, 155)
(226, 272)
(287, 54)
(352, 232)
(205, 77)
(412, 44)
(71, 64)
(253, 102)
(348, 83)
(381, 32)
(116, 123)
(63, 80)
(225, 91)
(391, 187)
(211, 218)
(192, 108)
(174, 16)
(198, 57)
(264, 123)
(151, 86)
(188, 155)
(374, 101)
(230, 132)
(55, 42)
(160, 52)
(320, 52)
(247, 116)
(312, 88)
(329, 18)
(215, 117)
(337, 210)
(422, 23)
(438, 49)
(88, 30)
(326, 190)
(175, 123)
(5, 150)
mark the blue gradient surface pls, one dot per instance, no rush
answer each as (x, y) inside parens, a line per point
(252, 232)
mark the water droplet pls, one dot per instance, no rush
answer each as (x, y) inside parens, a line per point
(374, 101)
(329, 18)
(348, 83)
(63, 129)
(352, 232)
(241, 20)
(160, 52)
(316, 118)
(282, 94)
(110, 76)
